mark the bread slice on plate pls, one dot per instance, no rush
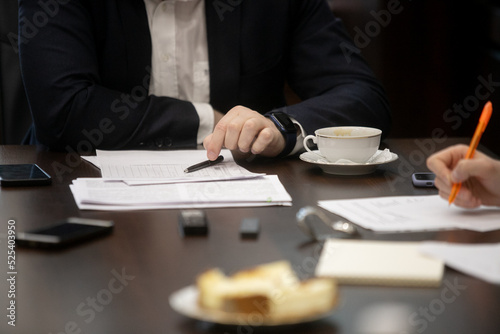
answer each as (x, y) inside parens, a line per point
(271, 291)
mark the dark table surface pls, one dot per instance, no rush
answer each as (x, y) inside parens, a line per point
(121, 283)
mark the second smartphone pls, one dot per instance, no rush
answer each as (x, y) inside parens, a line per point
(423, 179)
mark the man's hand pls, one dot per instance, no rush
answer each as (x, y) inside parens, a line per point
(246, 131)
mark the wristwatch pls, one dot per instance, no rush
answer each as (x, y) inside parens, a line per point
(287, 129)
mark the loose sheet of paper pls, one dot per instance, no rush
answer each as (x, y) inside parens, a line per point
(481, 261)
(96, 193)
(154, 167)
(92, 159)
(412, 213)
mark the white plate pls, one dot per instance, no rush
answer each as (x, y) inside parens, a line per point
(185, 301)
(343, 168)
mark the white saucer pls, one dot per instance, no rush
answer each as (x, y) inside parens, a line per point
(343, 168)
(185, 301)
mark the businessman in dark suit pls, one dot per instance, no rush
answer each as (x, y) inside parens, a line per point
(92, 72)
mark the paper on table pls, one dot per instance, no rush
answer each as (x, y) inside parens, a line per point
(97, 193)
(481, 261)
(412, 213)
(98, 207)
(392, 263)
(153, 167)
(92, 159)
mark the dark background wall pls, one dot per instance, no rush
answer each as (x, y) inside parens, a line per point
(433, 57)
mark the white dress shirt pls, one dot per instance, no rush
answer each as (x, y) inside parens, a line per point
(180, 56)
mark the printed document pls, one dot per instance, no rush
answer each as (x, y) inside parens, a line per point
(413, 213)
(153, 167)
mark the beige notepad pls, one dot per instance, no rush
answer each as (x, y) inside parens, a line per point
(389, 263)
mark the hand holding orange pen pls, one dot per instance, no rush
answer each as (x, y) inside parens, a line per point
(481, 126)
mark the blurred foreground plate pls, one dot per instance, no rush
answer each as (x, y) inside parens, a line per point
(185, 302)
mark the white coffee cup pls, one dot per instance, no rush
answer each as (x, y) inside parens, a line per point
(353, 143)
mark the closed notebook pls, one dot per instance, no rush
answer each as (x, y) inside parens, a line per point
(389, 263)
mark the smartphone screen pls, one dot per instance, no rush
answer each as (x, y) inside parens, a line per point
(64, 233)
(23, 175)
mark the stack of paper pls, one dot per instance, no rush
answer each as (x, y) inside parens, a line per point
(135, 180)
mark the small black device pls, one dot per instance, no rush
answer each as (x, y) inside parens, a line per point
(193, 222)
(249, 228)
(23, 175)
(65, 233)
(423, 179)
(287, 129)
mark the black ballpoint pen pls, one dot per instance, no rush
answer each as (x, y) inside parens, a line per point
(204, 164)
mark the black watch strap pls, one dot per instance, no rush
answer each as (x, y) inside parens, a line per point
(287, 129)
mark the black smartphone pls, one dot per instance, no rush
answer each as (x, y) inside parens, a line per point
(423, 179)
(23, 175)
(64, 233)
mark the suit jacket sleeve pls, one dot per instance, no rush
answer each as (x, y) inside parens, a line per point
(75, 99)
(326, 70)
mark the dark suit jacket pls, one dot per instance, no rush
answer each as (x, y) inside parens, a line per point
(86, 71)
(15, 117)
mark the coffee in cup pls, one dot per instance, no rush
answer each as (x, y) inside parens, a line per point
(354, 143)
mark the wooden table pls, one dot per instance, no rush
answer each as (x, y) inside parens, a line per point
(121, 283)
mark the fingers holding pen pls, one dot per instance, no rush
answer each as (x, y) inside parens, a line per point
(443, 163)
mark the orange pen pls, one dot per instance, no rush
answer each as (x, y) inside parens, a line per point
(483, 121)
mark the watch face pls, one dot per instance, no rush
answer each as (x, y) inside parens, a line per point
(287, 129)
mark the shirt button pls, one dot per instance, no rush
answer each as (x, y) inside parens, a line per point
(159, 142)
(165, 57)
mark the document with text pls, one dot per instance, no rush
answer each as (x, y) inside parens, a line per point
(156, 167)
(412, 213)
